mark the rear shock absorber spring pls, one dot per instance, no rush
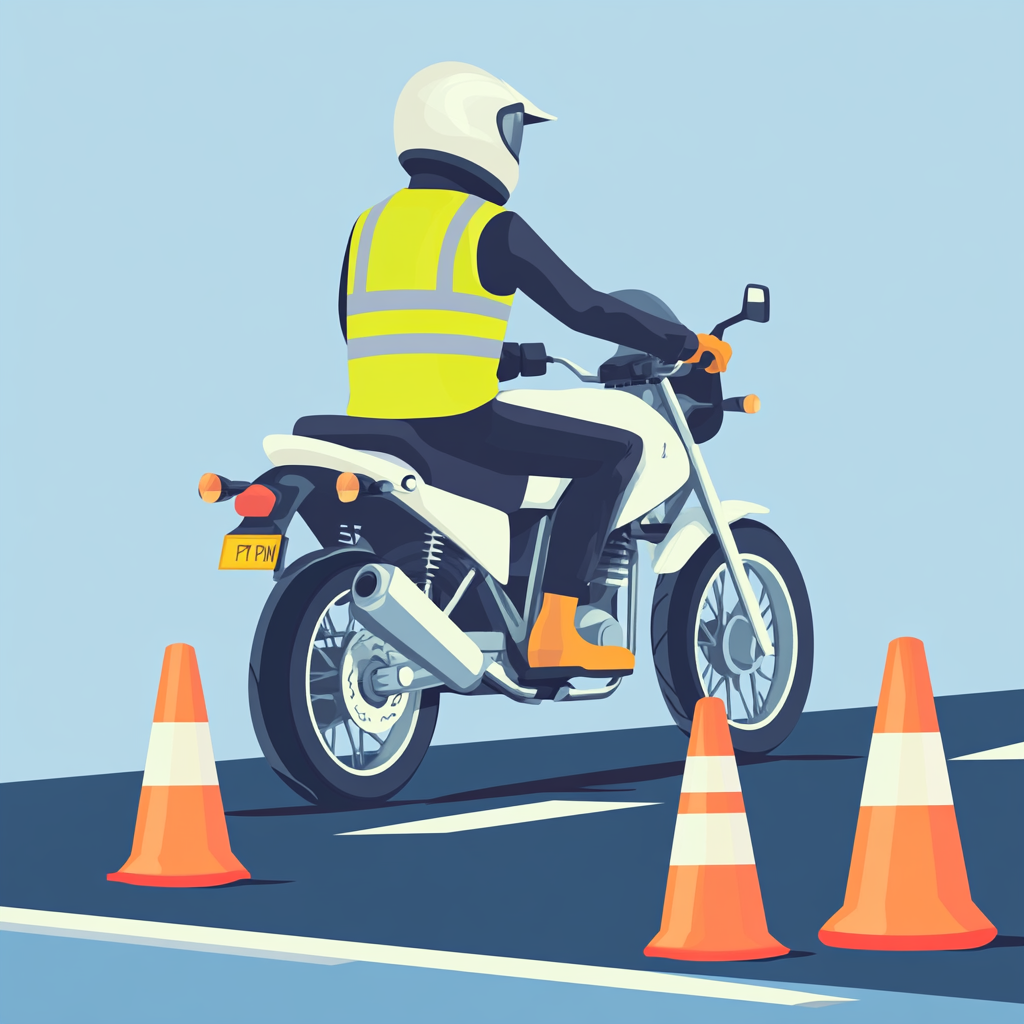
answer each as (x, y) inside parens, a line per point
(616, 559)
(433, 550)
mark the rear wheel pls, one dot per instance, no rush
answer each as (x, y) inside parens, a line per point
(322, 727)
(704, 644)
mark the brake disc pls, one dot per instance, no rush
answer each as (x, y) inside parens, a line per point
(364, 654)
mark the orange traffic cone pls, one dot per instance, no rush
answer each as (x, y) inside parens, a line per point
(908, 884)
(181, 836)
(713, 908)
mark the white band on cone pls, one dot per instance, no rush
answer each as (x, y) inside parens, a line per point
(906, 769)
(711, 839)
(711, 775)
(180, 754)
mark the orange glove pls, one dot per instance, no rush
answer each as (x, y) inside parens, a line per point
(721, 350)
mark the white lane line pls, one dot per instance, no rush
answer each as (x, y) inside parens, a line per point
(336, 951)
(494, 817)
(171, 936)
(1011, 752)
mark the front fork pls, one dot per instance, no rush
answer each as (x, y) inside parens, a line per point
(708, 498)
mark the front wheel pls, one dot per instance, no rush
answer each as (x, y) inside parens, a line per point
(704, 645)
(321, 726)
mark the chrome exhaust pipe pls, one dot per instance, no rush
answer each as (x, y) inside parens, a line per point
(390, 604)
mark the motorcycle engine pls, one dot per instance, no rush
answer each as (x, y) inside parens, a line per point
(597, 626)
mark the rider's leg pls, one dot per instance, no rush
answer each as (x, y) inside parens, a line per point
(601, 460)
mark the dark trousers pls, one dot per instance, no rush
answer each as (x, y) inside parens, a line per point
(600, 459)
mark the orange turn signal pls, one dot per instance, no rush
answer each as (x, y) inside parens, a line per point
(751, 403)
(210, 487)
(348, 487)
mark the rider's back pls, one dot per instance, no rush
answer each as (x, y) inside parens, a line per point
(424, 335)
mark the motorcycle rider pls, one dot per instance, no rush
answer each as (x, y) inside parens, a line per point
(427, 284)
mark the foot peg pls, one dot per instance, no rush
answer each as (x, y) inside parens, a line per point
(567, 672)
(499, 679)
(572, 693)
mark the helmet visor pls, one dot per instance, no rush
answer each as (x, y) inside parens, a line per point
(510, 125)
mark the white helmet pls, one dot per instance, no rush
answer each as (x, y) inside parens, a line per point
(466, 120)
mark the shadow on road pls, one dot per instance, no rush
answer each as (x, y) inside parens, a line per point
(609, 781)
(745, 758)
(1000, 940)
(614, 781)
(254, 881)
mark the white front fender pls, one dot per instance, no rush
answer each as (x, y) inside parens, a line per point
(690, 530)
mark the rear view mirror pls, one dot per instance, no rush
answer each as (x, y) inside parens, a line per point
(755, 307)
(755, 303)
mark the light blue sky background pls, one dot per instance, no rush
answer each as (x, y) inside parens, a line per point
(178, 185)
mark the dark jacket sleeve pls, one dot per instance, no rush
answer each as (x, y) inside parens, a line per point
(343, 287)
(511, 256)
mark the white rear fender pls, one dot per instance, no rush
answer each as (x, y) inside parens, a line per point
(481, 531)
(690, 530)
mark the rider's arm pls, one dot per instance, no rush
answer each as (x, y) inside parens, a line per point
(512, 255)
(343, 288)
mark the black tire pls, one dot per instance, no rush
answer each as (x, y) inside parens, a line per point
(282, 713)
(680, 598)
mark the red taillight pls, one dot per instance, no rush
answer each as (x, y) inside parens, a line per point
(256, 501)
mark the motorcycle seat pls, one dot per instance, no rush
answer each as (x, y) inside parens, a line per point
(439, 469)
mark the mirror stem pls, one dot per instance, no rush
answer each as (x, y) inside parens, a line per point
(720, 328)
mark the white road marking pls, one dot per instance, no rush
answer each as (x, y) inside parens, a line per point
(1011, 752)
(335, 951)
(495, 816)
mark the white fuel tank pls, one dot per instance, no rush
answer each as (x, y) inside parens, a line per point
(664, 466)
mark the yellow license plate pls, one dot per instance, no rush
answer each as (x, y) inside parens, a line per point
(250, 551)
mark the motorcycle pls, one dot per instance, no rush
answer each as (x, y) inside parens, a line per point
(428, 576)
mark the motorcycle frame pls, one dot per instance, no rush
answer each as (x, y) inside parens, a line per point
(699, 483)
(503, 613)
(517, 626)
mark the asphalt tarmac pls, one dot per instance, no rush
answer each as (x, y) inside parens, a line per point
(583, 889)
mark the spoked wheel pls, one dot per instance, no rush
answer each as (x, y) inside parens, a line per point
(363, 733)
(704, 644)
(329, 735)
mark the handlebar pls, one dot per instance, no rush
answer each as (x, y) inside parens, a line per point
(740, 403)
(584, 375)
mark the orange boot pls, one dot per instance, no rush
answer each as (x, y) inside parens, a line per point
(555, 645)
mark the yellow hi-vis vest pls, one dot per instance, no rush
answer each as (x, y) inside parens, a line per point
(424, 335)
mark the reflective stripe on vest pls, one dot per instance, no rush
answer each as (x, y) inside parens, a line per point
(419, 298)
(433, 344)
(476, 339)
(452, 338)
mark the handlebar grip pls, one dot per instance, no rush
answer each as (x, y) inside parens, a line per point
(533, 358)
(742, 403)
(509, 364)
